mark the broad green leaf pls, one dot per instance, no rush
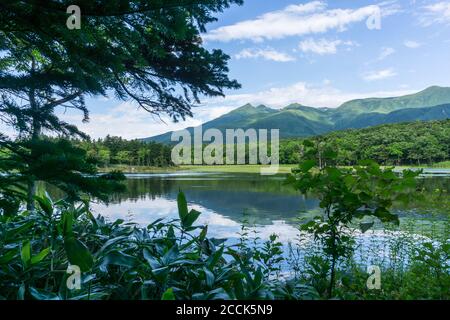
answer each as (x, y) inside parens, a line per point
(152, 261)
(168, 295)
(365, 226)
(112, 242)
(21, 292)
(118, 258)
(182, 205)
(171, 255)
(215, 257)
(8, 256)
(203, 233)
(66, 224)
(190, 218)
(25, 253)
(45, 202)
(39, 294)
(334, 173)
(307, 165)
(12, 233)
(78, 254)
(209, 277)
(40, 256)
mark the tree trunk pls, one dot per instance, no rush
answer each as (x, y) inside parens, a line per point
(31, 192)
(32, 184)
(332, 276)
(35, 133)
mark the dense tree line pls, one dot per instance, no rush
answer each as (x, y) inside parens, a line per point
(414, 143)
(116, 150)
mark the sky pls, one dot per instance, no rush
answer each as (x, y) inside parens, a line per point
(317, 53)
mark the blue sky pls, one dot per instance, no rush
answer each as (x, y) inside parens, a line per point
(318, 53)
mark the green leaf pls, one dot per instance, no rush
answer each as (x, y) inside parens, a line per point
(385, 216)
(182, 205)
(40, 256)
(8, 256)
(209, 277)
(168, 295)
(39, 294)
(171, 255)
(203, 233)
(152, 261)
(78, 254)
(45, 202)
(365, 226)
(14, 232)
(305, 166)
(21, 292)
(118, 258)
(112, 242)
(215, 257)
(66, 224)
(190, 218)
(334, 173)
(25, 254)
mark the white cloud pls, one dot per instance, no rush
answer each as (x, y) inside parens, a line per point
(322, 46)
(386, 52)
(126, 120)
(436, 13)
(129, 121)
(307, 7)
(323, 95)
(267, 54)
(379, 74)
(295, 20)
(412, 44)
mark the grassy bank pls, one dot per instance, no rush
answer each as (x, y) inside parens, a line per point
(283, 169)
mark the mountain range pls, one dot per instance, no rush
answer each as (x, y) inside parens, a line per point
(296, 120)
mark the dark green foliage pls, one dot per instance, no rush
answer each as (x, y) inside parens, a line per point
(115, 150)
(122, 260)
(54, 161)
(415, 143)
(165, 261)
(400, 144)
(149, 52)
(345, 195)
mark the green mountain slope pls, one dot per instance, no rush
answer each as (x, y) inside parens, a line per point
(404, 115)
(297, 120)
(429, 97)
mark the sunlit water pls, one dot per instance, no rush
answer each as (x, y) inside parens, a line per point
(227, 201)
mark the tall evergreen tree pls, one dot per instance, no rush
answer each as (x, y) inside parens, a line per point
(149, 52)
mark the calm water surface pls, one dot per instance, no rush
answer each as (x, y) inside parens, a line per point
(227, 200)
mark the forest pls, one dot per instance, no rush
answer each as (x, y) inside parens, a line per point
(115, 150)
(414, 143)
(409, 144)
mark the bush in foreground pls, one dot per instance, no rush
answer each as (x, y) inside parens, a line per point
(177, 260)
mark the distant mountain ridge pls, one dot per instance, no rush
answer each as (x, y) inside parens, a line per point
(296, 120)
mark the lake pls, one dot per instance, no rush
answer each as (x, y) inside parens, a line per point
(227, 200)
